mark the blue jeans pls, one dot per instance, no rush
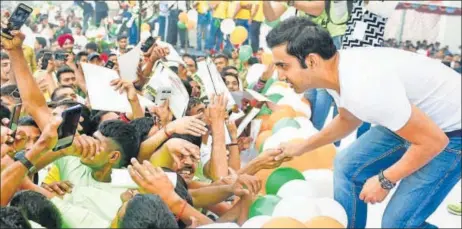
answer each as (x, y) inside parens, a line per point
(215, 36)
(202, 32)
(162, 22)
(255, 36)
(417, 195)
(320, 101)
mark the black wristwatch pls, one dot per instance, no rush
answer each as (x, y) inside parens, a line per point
(385, 183)
(21, 157)
(291, 3)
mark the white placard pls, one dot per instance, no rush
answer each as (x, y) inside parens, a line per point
(128, 64)
(250, 116)
(120, 178)
(255, 126)
(164, 77)
(213, 82)
(101, 94)
(173, 55)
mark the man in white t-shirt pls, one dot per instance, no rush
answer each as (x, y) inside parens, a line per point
(413, 100)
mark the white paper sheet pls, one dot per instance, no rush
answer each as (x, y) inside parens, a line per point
(255, 126)
(128, 63)
(164, 77)
(248, 118)
(101, 94)
(249, 95)
(213, 82)
(120, 178)
(173, 56)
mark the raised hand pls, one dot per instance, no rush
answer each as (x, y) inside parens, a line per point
(191, 125)
(271, 159)
(216, 110)
(125, 86)
(15, 43)
(246, 185)
(59, 187)
(150, 179)
(179, 148)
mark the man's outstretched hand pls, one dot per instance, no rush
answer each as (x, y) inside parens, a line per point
(15, 43)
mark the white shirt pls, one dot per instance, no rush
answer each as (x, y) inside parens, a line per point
(378, 85)
(79, 43)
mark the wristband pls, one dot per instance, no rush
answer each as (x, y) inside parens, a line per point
(178, 217)
(233, 144)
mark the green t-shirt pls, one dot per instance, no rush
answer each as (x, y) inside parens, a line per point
(91, 203)
(322, 20)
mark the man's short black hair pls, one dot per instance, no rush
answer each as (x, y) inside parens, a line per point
(4, 56)
(42, 41)
(192, 58)
(92, 46)
(54, 96)
(147, 211)
(230, 74)
(143, 126)
(221, 55)
(122, 36)
(187, 86)
(63, 69)
(302, 37)
(227, 68)
(80, 54)
(13, 217)
(27, 121)
(125, 136)
(192, 103)
(37, 208)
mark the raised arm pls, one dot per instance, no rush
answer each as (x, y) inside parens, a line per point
(32, 99)
(313, 8)
(217, 167)
(273, 10)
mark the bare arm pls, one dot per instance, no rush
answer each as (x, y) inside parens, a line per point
(342, 125)
(427, 141)
(236, 11)
(211, 195)
(314, 8)
(255, 8)
(150, 145)
(218, 165)
(273, 10)
(32, 99)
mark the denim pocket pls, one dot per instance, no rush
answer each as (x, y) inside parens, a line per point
(454, 146)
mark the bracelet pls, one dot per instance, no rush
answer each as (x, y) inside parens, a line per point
(178, 217)
(232, 144)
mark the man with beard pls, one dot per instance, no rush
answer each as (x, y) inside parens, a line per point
(417, 137)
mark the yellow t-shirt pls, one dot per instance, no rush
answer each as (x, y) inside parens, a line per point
(52, 176)
(202, 7)
(259, 16)
(221, 10)
(243, 13)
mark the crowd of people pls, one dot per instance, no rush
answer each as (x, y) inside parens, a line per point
(415, 140)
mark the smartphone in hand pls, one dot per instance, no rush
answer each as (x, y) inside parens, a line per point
(45, 59)
(17, 20)
(148, 44)
(109, 64)
(13, 125)
(61, 56)
(68, 127)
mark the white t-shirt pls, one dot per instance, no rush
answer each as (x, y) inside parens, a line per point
(378, 85)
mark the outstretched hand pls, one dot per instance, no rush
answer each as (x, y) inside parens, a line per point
(15, 43)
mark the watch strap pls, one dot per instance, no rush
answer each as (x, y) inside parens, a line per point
(384, 182)
(21, 157)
